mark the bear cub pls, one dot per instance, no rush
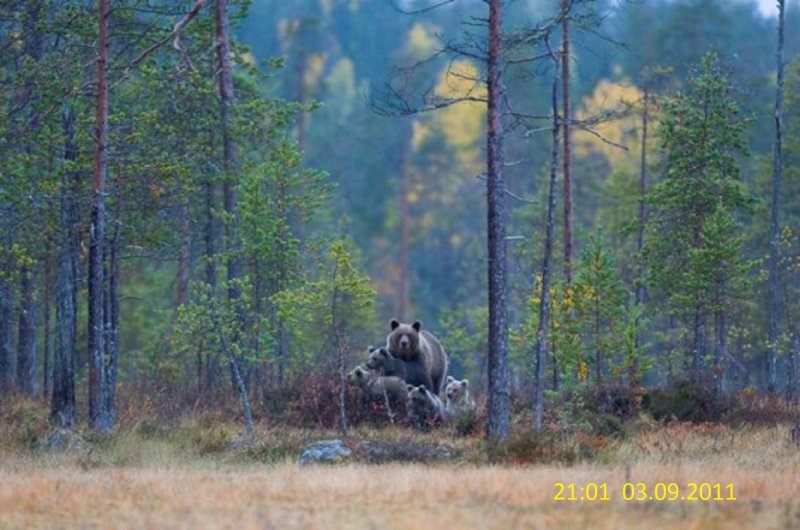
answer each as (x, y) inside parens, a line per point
(373, 385)
(424, 408)
(458, 400)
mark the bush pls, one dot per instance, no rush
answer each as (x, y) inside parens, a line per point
(685, 401)
(23, 422)
(547, 447)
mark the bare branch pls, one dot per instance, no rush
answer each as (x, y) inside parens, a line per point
(423, 10)
(482, 178)
(174, 35)
(591, 131)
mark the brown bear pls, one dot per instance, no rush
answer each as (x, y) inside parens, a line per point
(425, 409)
(421, 351)
(378, 388)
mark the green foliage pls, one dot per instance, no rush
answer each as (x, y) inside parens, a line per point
(693, 243)
(599, 296)
(331, 309)
(634, 362)
(216, 325)
(464, 332)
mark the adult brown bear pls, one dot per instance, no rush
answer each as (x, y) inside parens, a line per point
(415, 346)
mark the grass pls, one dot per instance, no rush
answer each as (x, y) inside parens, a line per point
(200, 473)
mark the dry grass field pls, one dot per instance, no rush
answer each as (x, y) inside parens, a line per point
(147, 484)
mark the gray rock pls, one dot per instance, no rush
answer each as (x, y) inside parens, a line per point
(65, 441)
(325, 452)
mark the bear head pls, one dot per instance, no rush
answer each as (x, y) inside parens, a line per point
(357, 376)
(455, 389)
(379, 358)
(403, 340)
(418, 394)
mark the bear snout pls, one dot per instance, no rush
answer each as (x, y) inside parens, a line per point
(405, 342)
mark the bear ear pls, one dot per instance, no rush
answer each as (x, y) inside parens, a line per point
(394, 324)
(450, 378)
(372, 348)
(417, 325)
(409, 387)
(384, 352)
(465, 383)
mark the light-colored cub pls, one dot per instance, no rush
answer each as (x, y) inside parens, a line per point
(459, 402)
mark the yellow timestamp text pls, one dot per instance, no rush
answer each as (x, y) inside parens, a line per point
(640, 491)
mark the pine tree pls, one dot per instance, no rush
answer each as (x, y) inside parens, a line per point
(691, 232)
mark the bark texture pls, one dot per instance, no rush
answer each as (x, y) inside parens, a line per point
(498, 399)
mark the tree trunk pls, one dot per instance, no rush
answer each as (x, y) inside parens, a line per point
(697, 344)
(339, 343)
(46, 286)
(26, 344)
(237, 377)
(794, 369)
(640, 286)
(184, 258)
(498, 398)
(405, 188)
(62, 403)
(544, 301)
(6, 334)
(565, 8)
(230, 150)
(774, 228)
(795, 399)
(111, 310)
(720, 348)
(210, 237)
(600, 360)
(99, 419)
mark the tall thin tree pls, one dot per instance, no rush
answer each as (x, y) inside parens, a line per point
(498, 399)
(774, 228)
(6, 333)
(230, 149)
(28, 273)
(405, 188)
(565, 96)
(98, 415)
(544, 300)
(62, 402)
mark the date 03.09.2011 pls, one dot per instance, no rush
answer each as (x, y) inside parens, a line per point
(639, 491)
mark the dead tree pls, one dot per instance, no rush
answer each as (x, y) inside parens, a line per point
(544, 301)
(774, 227)
(565, 111)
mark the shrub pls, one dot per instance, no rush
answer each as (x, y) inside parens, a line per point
(685, 401)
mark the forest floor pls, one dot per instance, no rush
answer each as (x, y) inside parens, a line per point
(151, 479)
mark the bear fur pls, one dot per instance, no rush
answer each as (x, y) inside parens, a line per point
(425, 409)
(458, 401)
(386, 364)
(373, 385)
(421, 351)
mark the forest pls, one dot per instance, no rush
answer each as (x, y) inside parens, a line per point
(592, 205)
